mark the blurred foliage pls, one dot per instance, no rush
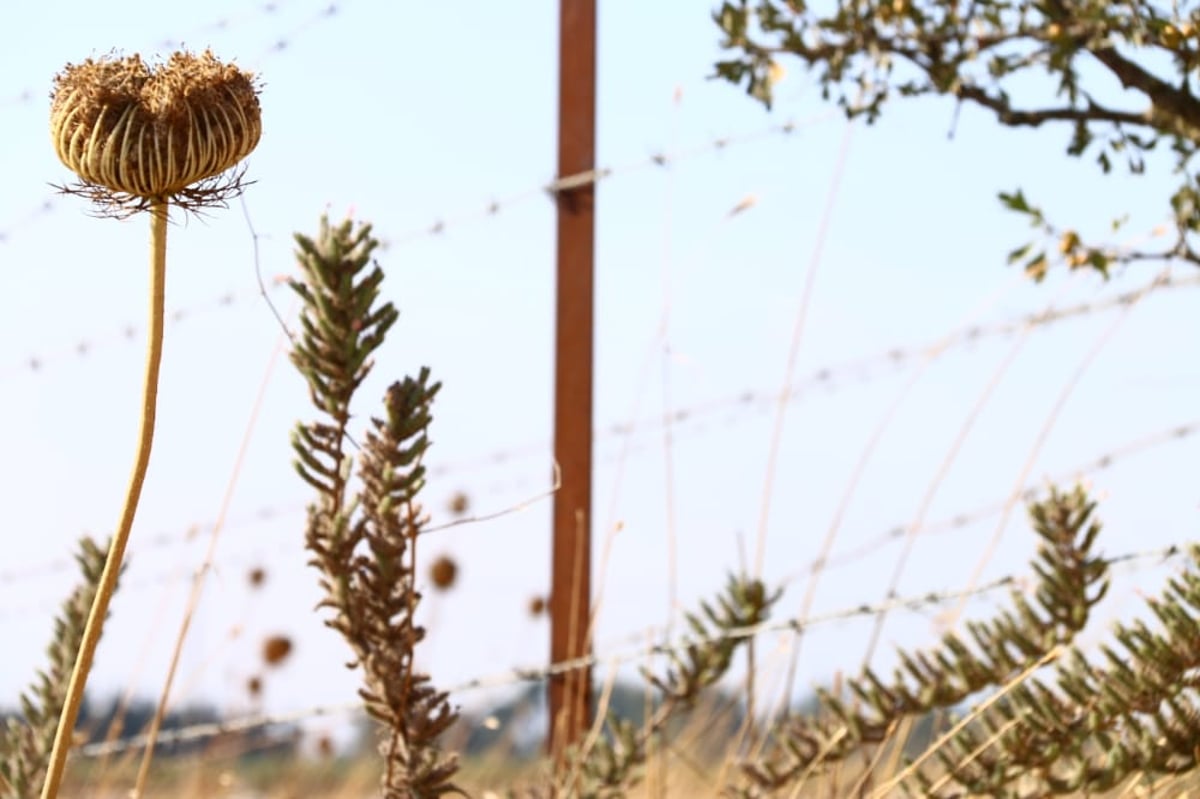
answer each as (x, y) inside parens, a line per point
(1134, 716)
(608, 765)
(26, 740)
(1028, 63)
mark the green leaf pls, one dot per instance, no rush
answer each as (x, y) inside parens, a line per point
(1016, 202)
(1019, 253)
(1099, 261)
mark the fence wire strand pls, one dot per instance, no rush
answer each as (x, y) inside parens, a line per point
(859, 552)
(624, 655)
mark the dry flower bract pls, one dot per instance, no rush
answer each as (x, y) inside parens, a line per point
(135, 133)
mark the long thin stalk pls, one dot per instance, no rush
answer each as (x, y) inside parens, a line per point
(189, 613)
(116, 553)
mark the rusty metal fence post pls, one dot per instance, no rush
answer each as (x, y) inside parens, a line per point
(570, 590)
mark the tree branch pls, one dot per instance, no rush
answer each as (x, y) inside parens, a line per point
(1013, 118)
(1178, 103)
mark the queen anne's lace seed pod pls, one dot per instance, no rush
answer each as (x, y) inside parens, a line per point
(135, 134)
(145, 138)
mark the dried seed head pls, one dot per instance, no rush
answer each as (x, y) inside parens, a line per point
(257, 576)
(136, 134)
(254, 686)
(443, 573)
(275, 649)
(459, 503)
(537, 606)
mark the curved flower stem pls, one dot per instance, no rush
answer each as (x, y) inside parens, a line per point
(116, 553)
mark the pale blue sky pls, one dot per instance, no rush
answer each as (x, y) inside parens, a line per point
(412, 113)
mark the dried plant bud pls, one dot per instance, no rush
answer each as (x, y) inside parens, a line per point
(257, 576)
(443, 573)
(459, 503)
(254, 686)
(537, 606)
(275, 649)
(136, 134)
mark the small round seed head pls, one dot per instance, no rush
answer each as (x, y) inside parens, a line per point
(275, 649)
(254, 686)
(256, 577)
(459, 503)
(537, 606)
(136, 134)
(443, 573)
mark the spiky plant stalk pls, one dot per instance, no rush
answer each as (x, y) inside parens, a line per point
(25, 744)
(142, 139)
(1071, 579)
(1094, 725)
(613, 765)
(365, 546)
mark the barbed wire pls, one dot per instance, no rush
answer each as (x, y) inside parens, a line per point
(827, 377)
(662, 159)
(268, 513)
(45, 207)
(868, 367)
(624, 655)
(34, 363)
(961, 520)
(38, 363)
(284, 42)
(178, 573)
(496, 207)
(222, 24)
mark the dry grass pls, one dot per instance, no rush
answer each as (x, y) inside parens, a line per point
(225, 771)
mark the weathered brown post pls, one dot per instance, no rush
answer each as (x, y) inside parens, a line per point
(570, 590)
